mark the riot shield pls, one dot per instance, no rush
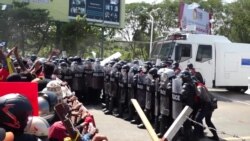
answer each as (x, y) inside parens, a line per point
(177, 104)
(98, 76)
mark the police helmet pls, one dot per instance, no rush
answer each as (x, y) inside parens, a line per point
(63, 64)
(134, 69)
(153, 72)
(147, 66)
(14, 113)
(33, 57)
(126, 68)
(111, 63)
(186, 75)
(54, 57)
(61, 60)
(118, 66)
(135, 62)
(74, 63)
(175, 64)
(122, 62)
(71, 59)
(91, 59)
(167, 74)
(190, 65)
(78, 59)
(116, 59)
(55, 62)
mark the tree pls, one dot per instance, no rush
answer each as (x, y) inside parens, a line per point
(80, 38)
(240, 21)
(29, 28)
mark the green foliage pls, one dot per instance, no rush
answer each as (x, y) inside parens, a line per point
(28, 28)
(35, 32)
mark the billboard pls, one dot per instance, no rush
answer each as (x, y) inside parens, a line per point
(110, 13)
(192, 16)
(101, 12)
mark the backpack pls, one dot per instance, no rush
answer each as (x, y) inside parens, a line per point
(205, 96)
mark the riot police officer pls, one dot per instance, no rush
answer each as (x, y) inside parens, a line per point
(66, 73)
(107, 84)
(97, 80)
(186, 98)
(78, 79)
(123, 90)
(131, 91)
(150, 94)
(141, 86)
(114, 75)
(165, 90)
(88, 74)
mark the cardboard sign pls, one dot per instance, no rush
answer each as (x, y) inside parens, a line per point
(27, 89)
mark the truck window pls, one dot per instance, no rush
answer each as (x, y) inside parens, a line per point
(183, 52)
(204, 53)
(156, 50)
(163, 50)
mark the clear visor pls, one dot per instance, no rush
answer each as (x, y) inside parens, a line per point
(131, 73)
(164, 77)
(63, 68)
(150, 76)
(144, 69)
(74, 66)
(123, 71)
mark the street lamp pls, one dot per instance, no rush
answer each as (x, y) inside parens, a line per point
(152, 29)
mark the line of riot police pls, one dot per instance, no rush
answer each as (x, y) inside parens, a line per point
(85, 77)
(161, 91)
(150, 85)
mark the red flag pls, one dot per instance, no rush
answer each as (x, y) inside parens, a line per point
(27, 89)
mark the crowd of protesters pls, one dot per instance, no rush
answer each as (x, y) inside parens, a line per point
(52, 91)
(162, 91)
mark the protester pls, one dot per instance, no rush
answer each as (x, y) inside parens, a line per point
(19, 108)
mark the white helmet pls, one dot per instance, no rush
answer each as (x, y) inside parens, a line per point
(38, 127)
(166, 74)
(66, 91)
(55, 86)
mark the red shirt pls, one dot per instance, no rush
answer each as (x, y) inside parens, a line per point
(3, 74)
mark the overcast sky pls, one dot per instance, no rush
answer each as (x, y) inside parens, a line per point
(157, 1)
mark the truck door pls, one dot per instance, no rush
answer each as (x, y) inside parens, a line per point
(183, 54)
(204, 63)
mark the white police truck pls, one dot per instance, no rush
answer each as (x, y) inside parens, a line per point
(221, 62)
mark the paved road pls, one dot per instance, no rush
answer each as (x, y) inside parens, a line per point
(231, 118)
(118, 129)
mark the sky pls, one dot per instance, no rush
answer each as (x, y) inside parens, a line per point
(158, 1)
